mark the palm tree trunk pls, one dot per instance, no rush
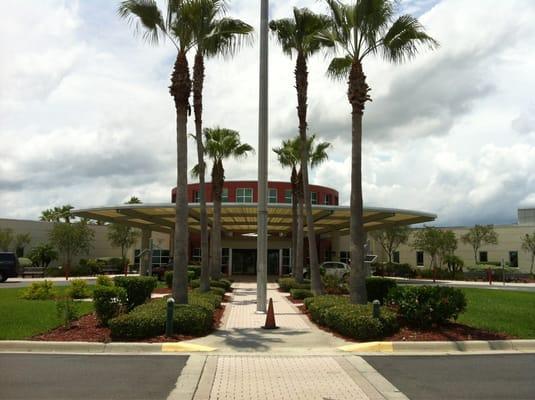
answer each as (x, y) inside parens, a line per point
(180, 89)
(217, 185)
(301, 80)
(297, 268)
(198, 82)
(357, 95)
(300, 239)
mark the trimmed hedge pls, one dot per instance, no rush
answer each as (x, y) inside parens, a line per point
(287, 284)
(355, 321)
(138, 288)
(425, 306)
(300, 294)
(377, 288)
(209, 300)
(168, 277)
(40, 291)
(195, 271)
(148, 320)
(109, 302)
(104, 280)
(79, 289)
(221, 283)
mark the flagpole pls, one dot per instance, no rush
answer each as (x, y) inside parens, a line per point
(262, 234)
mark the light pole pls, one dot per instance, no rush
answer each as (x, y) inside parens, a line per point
(261, 263)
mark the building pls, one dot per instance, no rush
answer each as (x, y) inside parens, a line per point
(239, 213)
(508, 249)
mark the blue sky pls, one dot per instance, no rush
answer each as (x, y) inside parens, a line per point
(86, 119)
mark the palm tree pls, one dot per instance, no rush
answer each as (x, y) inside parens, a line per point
(303, 35)
(146, 15)
(213, 36)
(289, 155)
(360, 29)
(220, 144)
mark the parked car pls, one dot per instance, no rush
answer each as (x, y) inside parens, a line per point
(334, 268)
(9, 266)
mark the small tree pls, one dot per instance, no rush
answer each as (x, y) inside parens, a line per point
(124, 237)
(6, 237)
(21, 241)
(391, 238)
(429, 240)
(478, 236)
(447, 246)
(528, 244)
(71, 240)
(42, 255)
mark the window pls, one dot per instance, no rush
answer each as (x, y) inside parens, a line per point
(224, 195)
(335, 200)
(483, 256)
(195, 196)
(225, 258)
(196, 255)
(272, 196)
(244, 195)
(286, 261)
(513, 259)
(328, 199)
(420, 258)
(159, 257)
(395, 256)
(344, 257)
(328, 256)
(288, 196)
(313, 197)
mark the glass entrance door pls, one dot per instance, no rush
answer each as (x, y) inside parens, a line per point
(243, 261)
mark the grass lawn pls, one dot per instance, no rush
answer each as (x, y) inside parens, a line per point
(501, 311)
(21, 319)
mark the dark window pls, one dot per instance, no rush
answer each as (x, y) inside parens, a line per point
(420, 258)
(313, 197)
(195, 196)
(288, 196)
(272, 196)
(286, 261)
(335, 200)
(196, 255)
(224, 195)
(513, 259)
(159, 257)
(328, 199)
(225, 258)
(344, 256)
(244, 195)
(483, 256)
(395, 256)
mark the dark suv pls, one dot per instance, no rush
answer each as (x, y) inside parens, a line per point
(9, 266)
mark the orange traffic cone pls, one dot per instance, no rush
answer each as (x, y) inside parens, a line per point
(270, 317)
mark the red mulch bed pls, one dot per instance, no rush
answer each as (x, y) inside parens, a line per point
(162, 290)
(87, 329)
(448, 332)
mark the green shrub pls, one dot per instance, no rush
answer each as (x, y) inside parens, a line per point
(79, 289)
(195, 270)
(40, 291)
(300, 294)
(377, 288)
(67, 311)
(104, 280)
(287, 284)
(138, 288)
(54, 272)
(395, 269)
(333, 285)
(81, 270)
(109, 302)
(318, 305)
(427, 273)
(168, 276)
(221, 283)
(148, 320)
(424, 306)
(210, 300)
(25, 262)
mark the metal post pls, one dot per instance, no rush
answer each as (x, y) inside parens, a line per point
(261, 266)
(376, 309)
(169, 320)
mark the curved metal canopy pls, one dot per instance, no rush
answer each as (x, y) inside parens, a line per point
(240, 218)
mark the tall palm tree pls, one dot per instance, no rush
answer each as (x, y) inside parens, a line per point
(360, 29)
(220, 144)
(289, 155)
(155, 26)
(303, 36)
(214, 35)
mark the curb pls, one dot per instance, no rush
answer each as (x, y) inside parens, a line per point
(28, 346)
(441, 347)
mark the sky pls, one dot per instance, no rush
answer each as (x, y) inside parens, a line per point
(86, 117)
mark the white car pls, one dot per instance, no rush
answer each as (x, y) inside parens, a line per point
(334, 268)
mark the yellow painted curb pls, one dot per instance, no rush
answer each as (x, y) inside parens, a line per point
(383, 347)
(184, 347)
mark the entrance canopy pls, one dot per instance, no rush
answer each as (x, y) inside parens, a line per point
(240, 218)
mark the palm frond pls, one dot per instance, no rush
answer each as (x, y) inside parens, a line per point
(339, 67)
(227, 36)
(146, 18)
(403, 39)
(195, 171)
(284, 30)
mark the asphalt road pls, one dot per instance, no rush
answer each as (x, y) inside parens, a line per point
(510, 376)
(58, 377)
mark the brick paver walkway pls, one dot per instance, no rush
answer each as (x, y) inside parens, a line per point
(242, 314)
(291, 378)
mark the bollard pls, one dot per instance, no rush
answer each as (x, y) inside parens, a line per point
(169, 320)
(376, 309)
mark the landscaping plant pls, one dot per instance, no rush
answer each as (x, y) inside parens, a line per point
(66, 310)
(40, 291)
(104, 280)
(109, 302)
(377, 288)
(301, 294)
(79, 289)
(138, 288)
